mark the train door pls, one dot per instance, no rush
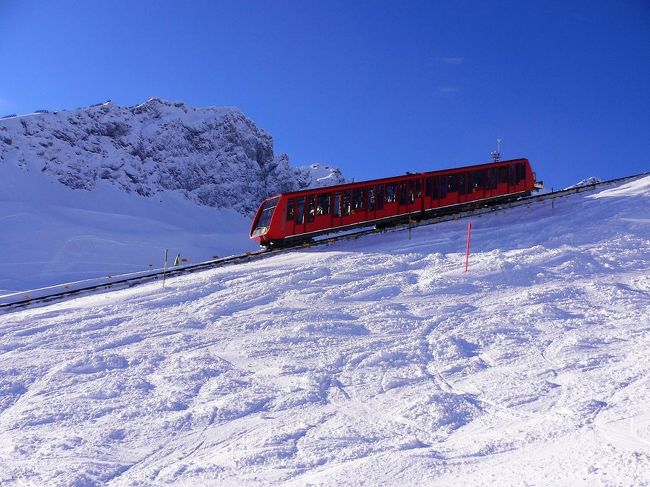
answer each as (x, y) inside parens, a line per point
(379, 201)
(323, 211)
(299, 223)
(502, 180)
(463, 187)
(491, 181)
(359, 203)
(391, 206)
(476, 185)
(402, 197)
(310, 213)
(336, 210)
(289, 226)
(433, 191)
(415, 195)
(372, 202)
(452, 194)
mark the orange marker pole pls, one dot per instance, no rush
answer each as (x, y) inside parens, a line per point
(469, 233)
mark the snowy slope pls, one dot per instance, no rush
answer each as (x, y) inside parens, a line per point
(52, 234)
(371, 362)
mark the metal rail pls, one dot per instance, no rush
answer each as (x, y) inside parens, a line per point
(23, 299)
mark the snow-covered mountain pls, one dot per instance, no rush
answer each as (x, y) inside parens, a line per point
(215, 156)
(377, 361)
(106, 189)
(586, 182)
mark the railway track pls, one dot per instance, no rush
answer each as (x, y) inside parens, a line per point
(50, 294)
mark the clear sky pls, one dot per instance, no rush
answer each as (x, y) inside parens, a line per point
(375, 87)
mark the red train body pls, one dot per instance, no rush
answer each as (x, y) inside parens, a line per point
(301, 215)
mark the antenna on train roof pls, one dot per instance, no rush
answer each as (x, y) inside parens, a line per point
(496, 154)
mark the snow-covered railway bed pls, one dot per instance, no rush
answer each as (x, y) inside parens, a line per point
(48, 294)
(370, 362)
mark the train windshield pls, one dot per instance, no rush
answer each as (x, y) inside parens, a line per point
(264, 220)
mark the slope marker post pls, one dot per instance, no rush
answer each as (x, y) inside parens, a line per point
(164, 268)
(469, 233)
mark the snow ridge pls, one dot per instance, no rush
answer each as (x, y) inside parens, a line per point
(215, 156)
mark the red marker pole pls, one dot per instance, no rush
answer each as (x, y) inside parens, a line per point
(469, 233)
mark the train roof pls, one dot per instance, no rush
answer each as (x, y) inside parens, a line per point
(358, 184)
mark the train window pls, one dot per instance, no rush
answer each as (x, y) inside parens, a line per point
(477, 181)
(491, 179)
(380, 196)
(336, 210)
(503, 174)
(371, 198)
(411, 192)
(358, 199)
(311, 208)
(418, 188)
(264, 220)
(323, 207)
(452, 183)
(291, 209)
(521, 172)
(443, 187)
(462, 183)
(300, 214)
(511, 174)
(390, 193)
(435, 194)
(347, 197)
(402, 193)
(427, 187)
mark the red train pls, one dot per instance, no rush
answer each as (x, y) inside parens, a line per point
(296, 217)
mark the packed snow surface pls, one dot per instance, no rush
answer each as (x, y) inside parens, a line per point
(52, 234)
(377, 361)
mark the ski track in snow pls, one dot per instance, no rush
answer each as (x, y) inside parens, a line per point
(375, 361)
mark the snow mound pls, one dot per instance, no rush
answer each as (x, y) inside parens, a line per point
(586, 182)
(637, 187)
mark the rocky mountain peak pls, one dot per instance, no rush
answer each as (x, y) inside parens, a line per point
(215, 156)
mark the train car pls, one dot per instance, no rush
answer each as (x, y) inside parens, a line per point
(291, 218)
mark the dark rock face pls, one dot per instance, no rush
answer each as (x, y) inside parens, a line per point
(215, 156)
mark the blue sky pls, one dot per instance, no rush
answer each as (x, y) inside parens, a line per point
(375, 87)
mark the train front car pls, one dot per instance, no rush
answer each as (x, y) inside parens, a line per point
(261, 231)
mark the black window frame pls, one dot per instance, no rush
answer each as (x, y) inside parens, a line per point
(401, 190)
(323, 204)
(347, 202)
(391, 193)
(300, 210)
(291, 209)
(503, 174)
(311, 208)
(452, 183)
